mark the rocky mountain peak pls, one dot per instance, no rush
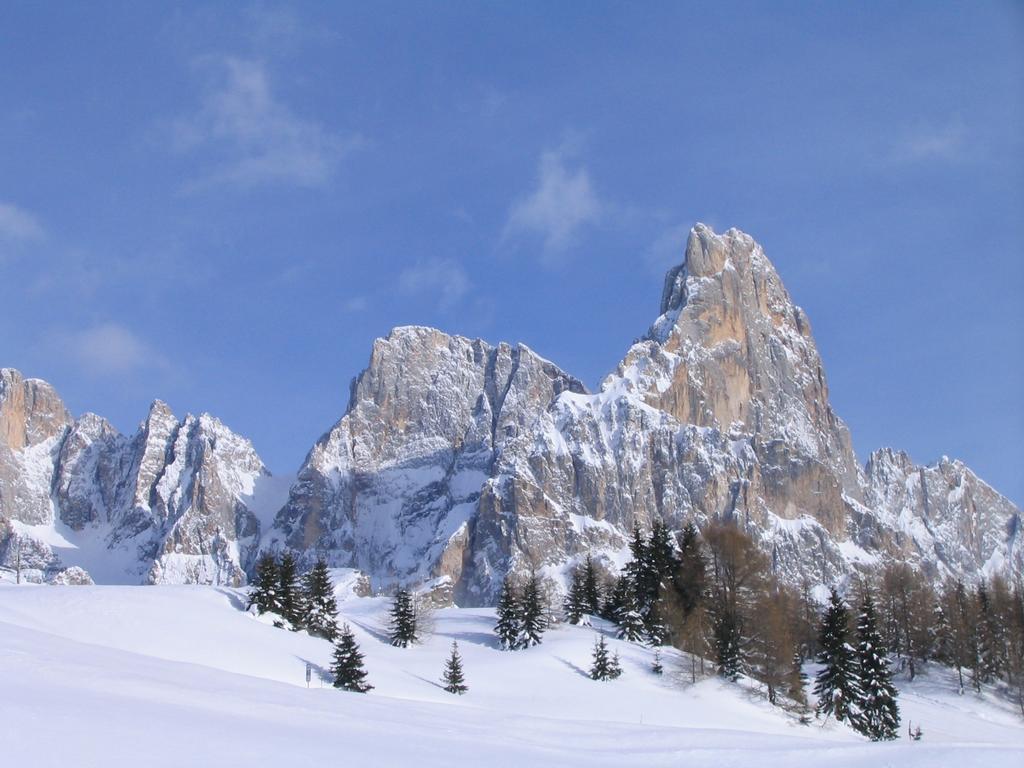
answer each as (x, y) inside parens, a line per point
(31, 411)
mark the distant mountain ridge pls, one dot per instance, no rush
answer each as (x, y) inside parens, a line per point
(458, 461)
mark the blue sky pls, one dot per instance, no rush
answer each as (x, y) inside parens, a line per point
(222, 206)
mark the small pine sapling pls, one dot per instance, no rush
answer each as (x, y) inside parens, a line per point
(454, 679)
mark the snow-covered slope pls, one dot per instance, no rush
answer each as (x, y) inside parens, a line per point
(167, 675)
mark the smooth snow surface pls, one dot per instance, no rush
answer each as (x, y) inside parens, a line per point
(165, 675)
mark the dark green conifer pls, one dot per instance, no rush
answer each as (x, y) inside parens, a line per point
(509, 625)
(320, 609)
(347, 668)
(289, 593)
(878, 716)
(264, 593)
(591, 589)
(601, 667)
(403, 620)
(533, 613)
(836, 685)
(454, 680)
(574, 607)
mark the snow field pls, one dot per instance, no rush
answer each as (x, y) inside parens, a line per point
(166, 675)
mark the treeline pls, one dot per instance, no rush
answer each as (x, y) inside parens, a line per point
(712, 594)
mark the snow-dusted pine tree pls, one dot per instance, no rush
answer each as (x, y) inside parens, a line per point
(509, 625)
(289, 593)
(264, 593)
(879, 716)
(591, 588)
(614, 666)
(574, 607)
(533, 613)
(347, 668)
(320, 609)
(836, 685)
(403, 620)
(454, 679)
(656, 666)
(600, 668)
(631, 623)
(727, 646)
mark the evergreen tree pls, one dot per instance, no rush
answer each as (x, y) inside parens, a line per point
(879, 716)
(727, 645)
(403, 620)
(289, 593)
(533, 614)
(602, 666)
(691, 576)
(836, 685)
(631, 623)
(575, 610)
(509, 625)
(617, 597)
(347, 668)
(614, 667)
(991, 640)
(264, 593)
(661, 556)
(638, 570)
(320, 608)
(591, 589)
(656, 666)
(454, 680)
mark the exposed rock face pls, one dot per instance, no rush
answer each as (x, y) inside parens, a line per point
(33, 420)
(168, 504)
(941, 514)
(458, 461)
(461, 460)
(392, 488)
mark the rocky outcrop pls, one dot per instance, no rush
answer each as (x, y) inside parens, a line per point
(457, 460)
(393, 487)
(168, 504)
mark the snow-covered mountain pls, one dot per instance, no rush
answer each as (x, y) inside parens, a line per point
(461, 460)
(171, 504)
(457, 461)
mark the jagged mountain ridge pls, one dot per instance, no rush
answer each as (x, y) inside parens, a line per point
(457, 461)
(169, 504)
(721, 410)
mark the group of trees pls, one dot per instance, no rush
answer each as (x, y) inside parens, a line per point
(712, 594)
(978, 631)
(855, 684)
(522, 614)
(307, 603)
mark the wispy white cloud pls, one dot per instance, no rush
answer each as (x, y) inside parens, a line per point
(18, 224)
(110, 349)
(945, 142)
(355, 304)
(443, 278)
(278, 29)
(259, 139)
(562, 203)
